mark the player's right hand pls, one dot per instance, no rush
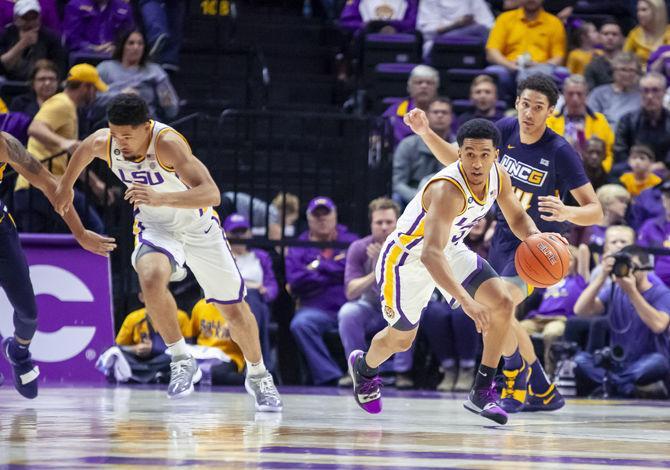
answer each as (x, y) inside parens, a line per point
(479, 314)
(417, 120)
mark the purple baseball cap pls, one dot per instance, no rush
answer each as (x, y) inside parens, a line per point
(235, 222)
(320, 201)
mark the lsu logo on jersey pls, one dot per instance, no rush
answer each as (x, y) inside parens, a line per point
(523, 172)
(141, 177)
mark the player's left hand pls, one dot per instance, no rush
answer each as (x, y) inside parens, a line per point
(139, 194)
(554, 208)
(96, 243)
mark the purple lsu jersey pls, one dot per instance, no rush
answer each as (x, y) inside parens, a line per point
(549, 167)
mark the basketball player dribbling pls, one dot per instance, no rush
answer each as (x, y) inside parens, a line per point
(172, 194)
(543, 167)
(427, 250)
(14, 272)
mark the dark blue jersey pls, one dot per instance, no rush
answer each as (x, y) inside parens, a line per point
(549, 167)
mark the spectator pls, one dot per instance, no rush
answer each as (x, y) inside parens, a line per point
(92, 25)
(315, 277)
(614, 200)
(593, 158)
(656, 233)
(143, 347)
(164, 22)
(422, 86)
(53, 131)
(392, 16)
(49, 13)
(209, 328)
(444, 18)
(637, 309)
(129, 71)
(652, 30)
(621, 96)
(577, 123)
(641, 177)
(44, 85)
(649, 125)
(412, 160)
(523, 42)
(361, 315)
(26, 41)
(647, 205)
(587, 38)
(264, 217)
(558, 302)
(256, 270)
(600, 70)
(484, 99)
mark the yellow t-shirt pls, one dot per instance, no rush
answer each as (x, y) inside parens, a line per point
(60, 113)
(135, 327)
(636, 44)
(513, 35)
(209, 329)
(634, 187)
(3, 107)
(578, 59)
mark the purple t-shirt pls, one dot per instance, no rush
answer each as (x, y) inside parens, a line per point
(395, 114)
(359, 265)
(656, 233)
(559, 300)
(628, 329)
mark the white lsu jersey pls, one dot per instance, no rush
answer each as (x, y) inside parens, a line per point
(409, 229)
(149, 170)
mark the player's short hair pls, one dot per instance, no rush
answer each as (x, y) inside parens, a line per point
(640, 149)
(478, 129)
(540, 83)
(608, 193)
(127, 110)
(383, 203)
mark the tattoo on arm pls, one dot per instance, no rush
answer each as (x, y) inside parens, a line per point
(18, 154)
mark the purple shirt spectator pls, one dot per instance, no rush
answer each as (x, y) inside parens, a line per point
(269, 279)
(646, 206)
(401, 14)
(49, 14)
(395, 114)
(627, 329)
(559, 300)
(359, 264)
(316, 276)
(91, 23)
(656, 233)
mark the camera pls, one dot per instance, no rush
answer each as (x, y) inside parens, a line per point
(623, 264)
(608, 357)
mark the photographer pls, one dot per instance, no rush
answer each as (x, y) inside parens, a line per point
(637, 309)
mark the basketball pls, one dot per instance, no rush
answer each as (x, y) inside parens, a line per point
(542, 260)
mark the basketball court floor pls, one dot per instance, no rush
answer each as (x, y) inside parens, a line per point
(138, 427)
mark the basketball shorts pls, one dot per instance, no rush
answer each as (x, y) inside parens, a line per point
(207, 254)
(406, 286)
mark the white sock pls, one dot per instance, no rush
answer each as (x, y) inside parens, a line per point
(256, 369)
(178, 348)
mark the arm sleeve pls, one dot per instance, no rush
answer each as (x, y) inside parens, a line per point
(401, 169)
(355, 263)
(269, 279)
(571, 169)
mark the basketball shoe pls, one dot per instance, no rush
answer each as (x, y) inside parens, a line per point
(548, 401)
(184, 372)
(264, 391)
(25, 371)
(515, 388)
(484, 402)
(367, 390)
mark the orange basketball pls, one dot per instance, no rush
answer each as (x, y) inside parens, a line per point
(542, 260)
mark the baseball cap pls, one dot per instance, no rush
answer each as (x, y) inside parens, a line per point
(320, 201)
(88, 74)
(21, 7)
(235, 222)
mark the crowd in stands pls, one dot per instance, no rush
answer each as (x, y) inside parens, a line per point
(614, 110)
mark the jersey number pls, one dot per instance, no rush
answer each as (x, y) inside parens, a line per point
(524, 197)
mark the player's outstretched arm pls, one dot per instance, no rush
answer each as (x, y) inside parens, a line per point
(444, 202)
(14, 153)
(175, 153)
(445, 152)
(91, 147)
(519, 221)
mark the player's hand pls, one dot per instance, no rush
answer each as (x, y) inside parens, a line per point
(62, 199)
(554, 208)
(479, 314)
(139, 194)
(417, 120)
(96, 243)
